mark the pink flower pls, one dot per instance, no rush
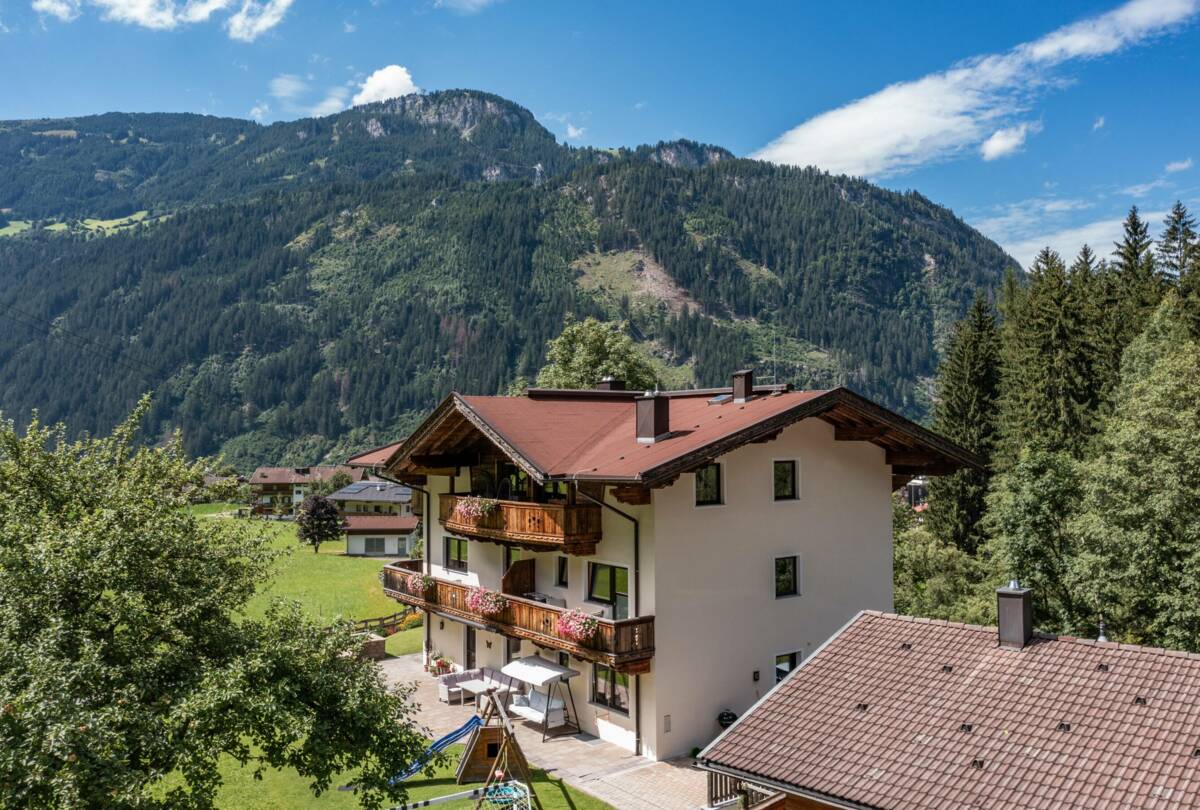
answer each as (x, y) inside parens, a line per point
(485, 602)
(577, 626)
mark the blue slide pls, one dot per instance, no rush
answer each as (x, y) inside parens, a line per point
(438, 746)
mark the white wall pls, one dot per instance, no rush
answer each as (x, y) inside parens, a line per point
(395, 545)
(717, 619)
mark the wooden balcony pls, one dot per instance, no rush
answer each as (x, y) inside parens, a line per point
(569, 528)
(624, 644)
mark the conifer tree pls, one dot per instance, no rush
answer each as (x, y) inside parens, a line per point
(1178, 248)
(1140, 282)
(966, 412)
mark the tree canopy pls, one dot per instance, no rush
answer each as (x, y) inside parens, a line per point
(318, 521)
(587, 351)
(128, 665)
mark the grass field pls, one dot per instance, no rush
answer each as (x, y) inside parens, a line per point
(14, 227)
(329, 584)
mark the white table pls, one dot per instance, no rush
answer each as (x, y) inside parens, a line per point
(478, 686)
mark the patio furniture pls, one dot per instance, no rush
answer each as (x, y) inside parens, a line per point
(547, 707)
(451, 685)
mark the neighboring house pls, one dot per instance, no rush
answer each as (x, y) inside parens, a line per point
(285, 488)
(373, 460)
(373, 497)
(718, 536)
(897, 712)
(380, 535)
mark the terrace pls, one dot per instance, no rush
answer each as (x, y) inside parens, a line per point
(571, 528)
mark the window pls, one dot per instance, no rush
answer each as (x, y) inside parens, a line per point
(512, 649)
(456, 554)
(375, 545)
(609, 584)
(785, 481)
(560, 575)
(470, 642)
(610, 688)
(708, 485)
(564, 660)
(785, 664)
(787, 576)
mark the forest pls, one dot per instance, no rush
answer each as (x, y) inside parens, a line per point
(1081, 388)
(296, 292)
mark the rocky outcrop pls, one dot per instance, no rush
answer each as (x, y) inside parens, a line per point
(686, 154)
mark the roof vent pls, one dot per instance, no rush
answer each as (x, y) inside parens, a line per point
(1102, 667)
(1196, 753)
(1064, 726)
(905, 645)
(947, 668)
(966, 728)
(862, 707)
(720, 399)
(653, 417)
(1014, 606)
(610, 383)
(1139, 701)
(743, 384)
(977, 764)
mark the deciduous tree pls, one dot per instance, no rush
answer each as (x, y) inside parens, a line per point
(129, 667)
(589, 350)
(318, 521)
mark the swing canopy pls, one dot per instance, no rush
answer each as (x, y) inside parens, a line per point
(536, 671)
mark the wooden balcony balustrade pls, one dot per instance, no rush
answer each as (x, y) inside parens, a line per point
(624, 644)
(569, 528)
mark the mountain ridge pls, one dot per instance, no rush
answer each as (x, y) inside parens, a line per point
(308, 287)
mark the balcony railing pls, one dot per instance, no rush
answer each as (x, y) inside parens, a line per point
(571, 528)
(625, 644)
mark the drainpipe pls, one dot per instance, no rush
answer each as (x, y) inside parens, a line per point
(634, 608)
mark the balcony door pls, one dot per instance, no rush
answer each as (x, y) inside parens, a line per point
(469, 657)
(609, 584)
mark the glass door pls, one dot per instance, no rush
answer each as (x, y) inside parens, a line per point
(469, 658)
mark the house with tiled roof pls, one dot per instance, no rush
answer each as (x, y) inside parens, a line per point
(897, 712)
(711, 540)
(281, 490)
(378, 518)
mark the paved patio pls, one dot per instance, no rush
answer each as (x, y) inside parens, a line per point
(607, 772)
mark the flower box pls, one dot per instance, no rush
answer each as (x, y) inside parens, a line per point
(575, 625)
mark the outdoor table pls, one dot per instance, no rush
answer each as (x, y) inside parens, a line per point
(477, 686)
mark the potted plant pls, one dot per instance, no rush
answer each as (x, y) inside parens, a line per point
(421, 585)
(486, 602)
(575, 625)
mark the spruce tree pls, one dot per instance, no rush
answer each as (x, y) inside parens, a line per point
(1178, 247)
(966, 411)
(1141, 284)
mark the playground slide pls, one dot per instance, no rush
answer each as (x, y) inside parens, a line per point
(439, 745)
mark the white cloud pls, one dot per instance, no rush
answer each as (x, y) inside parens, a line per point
(260, 111)
(387, 82)
(464, 6)
(574, 133)
(349, 27)
(639, 106)
(288, 86)
(334, 101)
(254, 18)
(251, 19)
(1098, 123)
(912, 123)
(1100, 235)
(1007, 141)
(1179, 165)
(65, 10)
(1142, 189)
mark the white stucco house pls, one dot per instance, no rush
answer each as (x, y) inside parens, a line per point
(717, 537)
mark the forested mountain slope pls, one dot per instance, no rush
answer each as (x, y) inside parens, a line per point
(303, 289)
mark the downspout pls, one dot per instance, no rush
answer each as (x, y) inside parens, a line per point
(637, 599)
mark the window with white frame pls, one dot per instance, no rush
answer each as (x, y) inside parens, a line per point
(610, 688)
(786, 479)
(708, 485)
(455, 558)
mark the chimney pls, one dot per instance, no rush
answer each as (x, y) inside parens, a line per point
(743, 385)
(1014, 607)
(653, 417)
(610, 383)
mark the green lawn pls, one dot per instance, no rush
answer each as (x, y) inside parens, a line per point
(283, 790)
(329, 584)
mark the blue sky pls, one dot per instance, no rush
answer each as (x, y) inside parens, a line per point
(1036, 122)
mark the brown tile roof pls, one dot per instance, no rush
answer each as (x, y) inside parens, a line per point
(374, 457)
(591, 435)
(370, 524)
(897, 712)
(293, 475)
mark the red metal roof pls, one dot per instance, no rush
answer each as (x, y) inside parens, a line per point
(372, 524)
(592, 435)
(897, 712)
(374, 458)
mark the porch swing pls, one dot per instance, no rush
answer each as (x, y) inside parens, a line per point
(548, 707)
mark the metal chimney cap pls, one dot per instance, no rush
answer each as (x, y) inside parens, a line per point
(1012, 583)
